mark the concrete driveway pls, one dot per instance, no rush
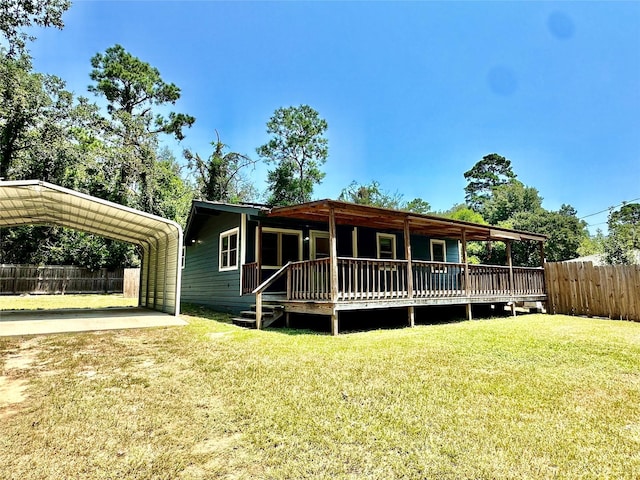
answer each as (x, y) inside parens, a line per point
(39, 322)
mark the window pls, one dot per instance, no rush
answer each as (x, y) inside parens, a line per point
(386, 246)
(439, 252)
(228, 250)
(280, 247)
(319, 247)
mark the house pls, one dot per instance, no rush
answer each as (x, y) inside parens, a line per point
(327, 256)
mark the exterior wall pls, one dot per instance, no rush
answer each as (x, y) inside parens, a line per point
(420, 245)
(202, 282)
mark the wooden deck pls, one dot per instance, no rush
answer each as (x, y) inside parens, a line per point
(372, 283)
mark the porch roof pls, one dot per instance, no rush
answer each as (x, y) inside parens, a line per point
(388, 219)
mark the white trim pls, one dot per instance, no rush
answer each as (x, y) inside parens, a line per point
(183, 260)
(280, 230)
(354, 242)
(229, 233)
(391, 236)
(433, 242)
(313, 234)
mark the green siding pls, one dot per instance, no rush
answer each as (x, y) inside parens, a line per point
(202, 283)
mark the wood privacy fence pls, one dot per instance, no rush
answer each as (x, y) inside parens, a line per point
(579, 288)
(21, 279)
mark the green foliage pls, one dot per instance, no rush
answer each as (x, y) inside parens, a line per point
(508, 199)
(17, 15)
(220, 177)
(624, 235)
(298, 149)
(370, 194)
(565, 231)
(373, 195)
(592, 244)
(463, 213)
(417, 205)
(173, 195)
(133, 89)
(44, 245)
(493, 170)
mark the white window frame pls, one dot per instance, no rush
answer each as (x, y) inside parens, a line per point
(279, 230)
(229, 233)
(313, 234)
(390, 236)
(433, 242)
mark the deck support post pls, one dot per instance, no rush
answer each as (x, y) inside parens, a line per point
(469, 314)
(513, 309)
(258, 311)
(412, 316)
(334, 323)
(407, 256)
(287, 319)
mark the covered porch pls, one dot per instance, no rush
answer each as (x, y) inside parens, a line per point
(326, 286)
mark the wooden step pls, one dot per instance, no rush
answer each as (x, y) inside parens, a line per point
(270, 313)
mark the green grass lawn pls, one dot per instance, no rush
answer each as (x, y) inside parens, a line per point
(533, 397)
(47, 302)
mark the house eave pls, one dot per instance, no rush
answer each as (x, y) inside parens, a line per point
(389, 219)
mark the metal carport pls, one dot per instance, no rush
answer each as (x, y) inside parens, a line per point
(33, 202)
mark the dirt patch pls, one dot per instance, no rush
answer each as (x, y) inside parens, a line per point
(13, 385)
(22, 360)
(11, 393)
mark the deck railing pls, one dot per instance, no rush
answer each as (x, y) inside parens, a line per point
(370, 279)
(438, 279)
(250, 277)
(309, 280)
(528, 280)
(374, 279)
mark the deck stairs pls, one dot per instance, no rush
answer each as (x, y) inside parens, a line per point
(270, 313)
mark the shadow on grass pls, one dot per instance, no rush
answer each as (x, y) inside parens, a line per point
(358, 320)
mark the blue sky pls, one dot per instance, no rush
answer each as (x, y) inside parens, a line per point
(414, 93)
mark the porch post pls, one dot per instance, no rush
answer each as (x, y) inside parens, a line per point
(511, 285)
(333, 261)
(465, 260)
(542, 259)
(259, 277)
(407, 256)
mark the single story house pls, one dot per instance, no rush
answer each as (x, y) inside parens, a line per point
(327, 256)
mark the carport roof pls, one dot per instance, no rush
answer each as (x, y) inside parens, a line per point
(34, 202)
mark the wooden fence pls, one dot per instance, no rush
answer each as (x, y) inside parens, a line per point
(579, 288)
(21, 279)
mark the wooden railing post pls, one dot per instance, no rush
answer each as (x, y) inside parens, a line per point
(511, 284)
(467, 287)
(407, 254)
(333, 255)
